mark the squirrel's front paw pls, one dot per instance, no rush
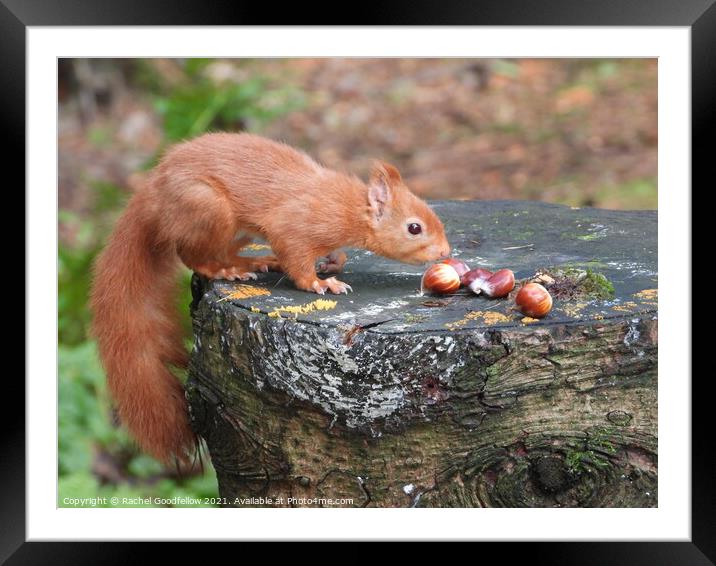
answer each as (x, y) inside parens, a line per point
(331, 284)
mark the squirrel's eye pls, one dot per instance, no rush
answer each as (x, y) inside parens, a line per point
(415, 228)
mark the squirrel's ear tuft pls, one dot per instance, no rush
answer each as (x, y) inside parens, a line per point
(387, 172)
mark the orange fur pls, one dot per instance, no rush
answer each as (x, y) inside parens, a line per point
(204, 201)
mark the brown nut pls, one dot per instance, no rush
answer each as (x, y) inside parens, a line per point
(534, 300)
(477, 273)
(440, 278)
(498, 285)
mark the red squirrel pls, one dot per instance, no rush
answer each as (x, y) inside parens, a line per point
(205, 200)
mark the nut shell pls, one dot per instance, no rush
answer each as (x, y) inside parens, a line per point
(498, 285)
(477, 273)
(457, 265)
(440, 278)
(534, 300)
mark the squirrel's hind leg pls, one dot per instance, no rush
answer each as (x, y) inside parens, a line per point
(218, 265)
(228, 265)
(263, 263)
(216, 270)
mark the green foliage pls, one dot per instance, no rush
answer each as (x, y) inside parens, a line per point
(86, 431)
(76, 256)
(202, 105)
(634, 194)
(99, 136)
(107, 199)
(192, 492)
(84, 421)
(74, 266)
(506, 67)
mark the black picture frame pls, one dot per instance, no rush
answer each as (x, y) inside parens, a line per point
(698, 15)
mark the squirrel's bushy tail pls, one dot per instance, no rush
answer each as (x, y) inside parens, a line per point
(139, 336)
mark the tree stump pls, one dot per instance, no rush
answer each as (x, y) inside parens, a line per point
(387, 398)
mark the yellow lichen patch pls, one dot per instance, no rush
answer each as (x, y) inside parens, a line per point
(257, 247)
(598, 317)
(489, 318)
(495, 318)
(573, 310)
(244, 292)
(627, 306)
(317, 305)
(649, 296)
(528, 320)
(254, 309)
(473, 315)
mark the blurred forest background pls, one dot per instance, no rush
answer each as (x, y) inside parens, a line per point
(581, 132)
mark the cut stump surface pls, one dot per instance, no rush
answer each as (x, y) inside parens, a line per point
(388, 398)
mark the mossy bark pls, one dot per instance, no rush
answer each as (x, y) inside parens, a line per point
(415, 405)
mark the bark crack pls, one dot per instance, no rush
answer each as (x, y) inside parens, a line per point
(364, 489)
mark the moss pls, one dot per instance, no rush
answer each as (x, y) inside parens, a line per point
(594, 454)
(600, 440)
(589, 237)
(574, 283)
(581, 461)
(414, 318)
(593, 264)
(597, 285)
(522, 234)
